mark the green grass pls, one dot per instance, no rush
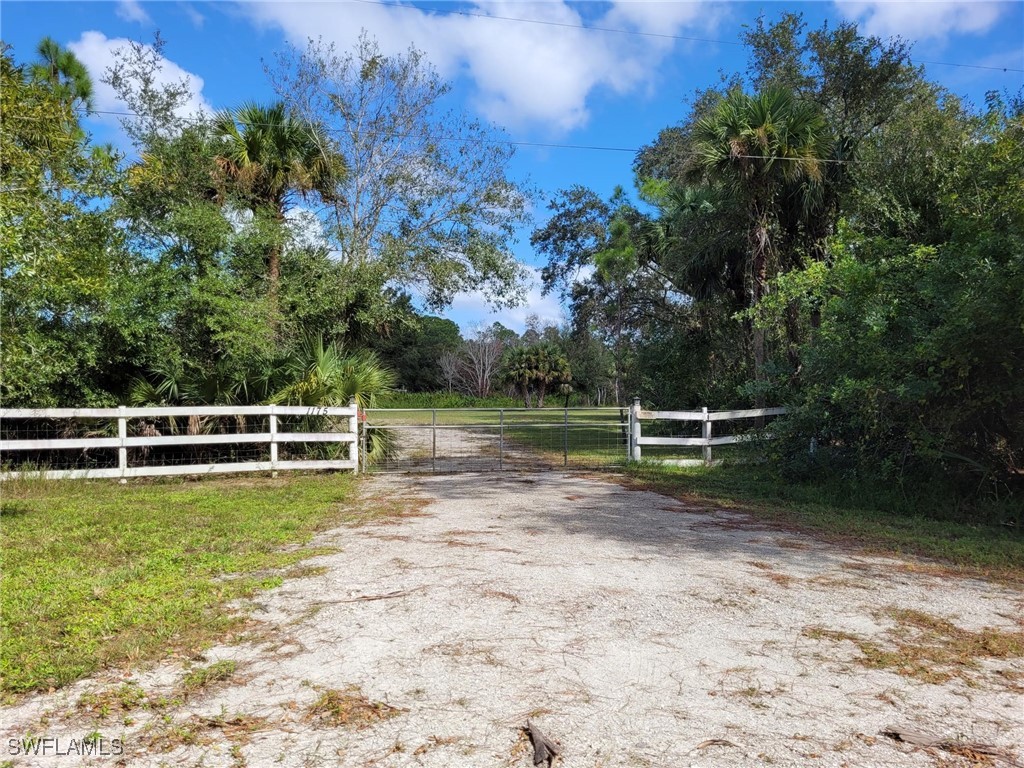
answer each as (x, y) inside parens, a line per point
(445, 400)
(868, 515)
(98, 574)
(199, 678)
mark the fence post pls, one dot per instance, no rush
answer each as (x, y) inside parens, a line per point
(565, 439)
(273, 441)
(122, 435)
(634, 430)
(353, 428)
(501, 439)
(364, 453)
(707, 437)
(433, 440)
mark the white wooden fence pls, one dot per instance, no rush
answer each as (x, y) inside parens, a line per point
(706, 441)
(146, 429)
(66, 443)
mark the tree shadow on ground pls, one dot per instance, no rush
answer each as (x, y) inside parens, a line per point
(647, 522)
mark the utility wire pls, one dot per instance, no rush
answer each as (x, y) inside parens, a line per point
(463, 139)
(513, 142)
(635, 32)
(546, 23)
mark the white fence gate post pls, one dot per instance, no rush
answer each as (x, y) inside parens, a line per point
(634, 430)
(273, 442)
(122, 436)
(353, 428)
(707, 437)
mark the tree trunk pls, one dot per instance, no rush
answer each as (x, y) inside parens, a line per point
(793, 335)
(274, 274)
(759, 249)
(541, 389)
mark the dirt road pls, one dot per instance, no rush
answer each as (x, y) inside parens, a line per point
(633, 628)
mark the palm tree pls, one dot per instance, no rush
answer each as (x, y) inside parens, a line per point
(62, 71)
(319, 374)
(758, 147)
(693, 243)
(313, 373)
(316, 373)
(550, 367)
(518, 371)
(268, 157)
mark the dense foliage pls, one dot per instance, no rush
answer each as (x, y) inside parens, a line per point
(827, 231)
(208, 261)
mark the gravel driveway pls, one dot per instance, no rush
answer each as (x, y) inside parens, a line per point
(634, 629)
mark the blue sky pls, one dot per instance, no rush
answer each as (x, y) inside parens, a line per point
(551, 82)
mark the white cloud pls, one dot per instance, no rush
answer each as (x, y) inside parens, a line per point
(96, 51)
(131, 10)
(922, 19)
(306, 227)
(524, 74)
(472, 309)
(656, 17)
(194, 16)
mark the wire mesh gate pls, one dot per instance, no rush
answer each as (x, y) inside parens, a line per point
(446, 440)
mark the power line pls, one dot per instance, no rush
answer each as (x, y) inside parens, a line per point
(512, 142)
(635, 32)
(464, 139)
(546, 23)
(1006, 70)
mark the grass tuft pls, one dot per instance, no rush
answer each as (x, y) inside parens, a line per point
(113, 701)
(348, 707)
(928, 648)
(201, 678)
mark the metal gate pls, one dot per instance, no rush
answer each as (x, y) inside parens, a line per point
(446, 440)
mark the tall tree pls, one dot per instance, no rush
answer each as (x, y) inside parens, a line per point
(427, 194)
(269, 158)
(758, 147)
(517, 371)
(480, 361)
(59, 249)
(60, 70)
(550, 369)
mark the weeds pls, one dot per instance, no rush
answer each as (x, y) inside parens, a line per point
(348, 707)
(200, 678)
(928, 648)
(102, 704)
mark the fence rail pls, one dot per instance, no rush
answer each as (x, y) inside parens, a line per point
(150, 442)
(704, 417)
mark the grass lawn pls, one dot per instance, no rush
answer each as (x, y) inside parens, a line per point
(97, 574)
(876, 519)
